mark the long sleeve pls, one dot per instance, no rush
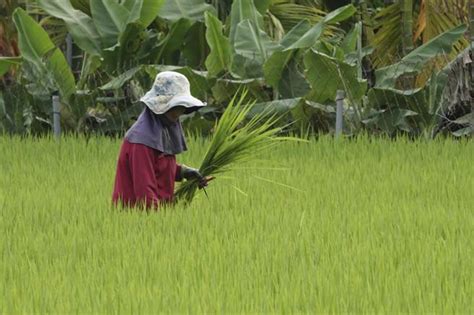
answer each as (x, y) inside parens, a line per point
(145, 186)
(178, 177)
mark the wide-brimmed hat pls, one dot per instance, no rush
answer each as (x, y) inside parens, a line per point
(171, 89)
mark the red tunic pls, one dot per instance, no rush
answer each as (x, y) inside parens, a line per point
(145, 176)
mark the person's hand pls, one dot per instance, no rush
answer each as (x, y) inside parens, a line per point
(190, 173)
(205, 181)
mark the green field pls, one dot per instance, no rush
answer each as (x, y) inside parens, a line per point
(354, 226)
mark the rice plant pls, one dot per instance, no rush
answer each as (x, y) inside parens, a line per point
(235, 141)
(375, 226)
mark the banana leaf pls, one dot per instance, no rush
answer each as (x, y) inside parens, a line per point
(253, 43)
(295, 33)
(391, 120)
(466, 119)
(263, 5)
(223, 90)
(195, 49)
(118, 57)
(301, 35)
(143, 11)
(309, 38)
(275, 65)
(37, 48)
(167, 52)
(82, 5)
(246, 68)
(243, 10)
(333, 74)
(110, 19)
(293, 83)
(193, 10)
(275, 107)
(349, 43)
(221, 52)
(79, 24)
(278, 61)
(415, 61)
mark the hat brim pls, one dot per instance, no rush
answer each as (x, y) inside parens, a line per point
(162, 103)
(190, 103)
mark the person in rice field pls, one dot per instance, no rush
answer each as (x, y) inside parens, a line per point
(146, 167)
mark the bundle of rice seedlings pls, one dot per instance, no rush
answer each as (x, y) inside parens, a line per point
(235, 141)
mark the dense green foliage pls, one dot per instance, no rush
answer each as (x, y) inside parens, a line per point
(393, 61)
(362, 226)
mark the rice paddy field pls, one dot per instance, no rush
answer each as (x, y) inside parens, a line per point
(349, 226)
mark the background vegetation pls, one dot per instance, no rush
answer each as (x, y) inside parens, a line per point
(405, 65)
(363, 225)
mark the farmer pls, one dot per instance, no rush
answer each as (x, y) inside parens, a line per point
(147, 168)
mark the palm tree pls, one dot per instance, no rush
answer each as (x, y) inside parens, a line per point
(284, 15)
(397, 33)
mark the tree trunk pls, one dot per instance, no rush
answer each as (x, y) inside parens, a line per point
(471, 41)
(406, 6)
(364, 17)
(471, 18)
(407, 26)
(367, 36)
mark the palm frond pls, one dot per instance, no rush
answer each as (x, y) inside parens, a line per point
(291, 14)
(287, 14)
(388, 36)
(434, 18)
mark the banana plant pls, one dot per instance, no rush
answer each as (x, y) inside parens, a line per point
(280, 67)
(111, 34)
(220, 56)
(424, 106)
(415, 61)
(43, 62)
(43, 70)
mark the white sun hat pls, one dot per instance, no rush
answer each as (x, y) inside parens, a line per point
(171, 89)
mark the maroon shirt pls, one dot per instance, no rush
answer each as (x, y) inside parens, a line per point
(145, 176)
